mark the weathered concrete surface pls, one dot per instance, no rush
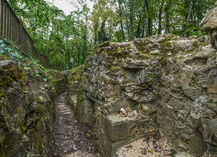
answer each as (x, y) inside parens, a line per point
(170, 81)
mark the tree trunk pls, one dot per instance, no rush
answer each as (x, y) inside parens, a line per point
(144, 22)
(70, 54)
(143, 29)
(138, 31)
(95, 37)
(131, 29)
(167, 29)
(188, 18)
(85, 43)
(78, 47)
(66, 57)
(120, 15)
(160, 18)
(149, 29)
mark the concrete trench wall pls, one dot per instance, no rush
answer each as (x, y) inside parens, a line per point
(169, 81)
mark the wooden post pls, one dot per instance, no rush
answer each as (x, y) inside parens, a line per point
(0, 17)
(6, 21)
(11, 24)
(13, 28)
(3, 19)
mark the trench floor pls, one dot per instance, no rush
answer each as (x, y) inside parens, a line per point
(71, 139)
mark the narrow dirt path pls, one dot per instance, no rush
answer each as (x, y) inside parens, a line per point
(70, 139)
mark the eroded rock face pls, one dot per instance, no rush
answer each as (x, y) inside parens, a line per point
(168, 80)
(26, 114)
(209, 23)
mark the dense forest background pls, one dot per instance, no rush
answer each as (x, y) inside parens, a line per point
(62, 37)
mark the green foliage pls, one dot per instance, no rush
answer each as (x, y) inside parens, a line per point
(62, 37)
(124, 20)
(45, 79)
(11, 52)
(56, 35)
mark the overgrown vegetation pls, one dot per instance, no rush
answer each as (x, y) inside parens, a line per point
(56, 35)
(33, 70)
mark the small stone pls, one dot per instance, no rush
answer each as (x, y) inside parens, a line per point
(24, 138)
(145, 108)
(128, 109)
(155, 52)
(169, 54)
(144, 151)
(135, 113)
(129, 146)
(130, 114)
(122, 110)
(123, 115)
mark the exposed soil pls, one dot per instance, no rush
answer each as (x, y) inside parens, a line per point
(152, 145)
(71, 139)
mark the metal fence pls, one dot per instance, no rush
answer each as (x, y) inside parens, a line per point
(13, 30)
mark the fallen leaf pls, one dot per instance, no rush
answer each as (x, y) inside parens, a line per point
(150, 151)
(129, 146)
(144, 151)
(88, 134)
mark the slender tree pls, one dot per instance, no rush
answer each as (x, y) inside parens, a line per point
(149, 28)
(160, 17)
(167, 15)
(190, 10)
